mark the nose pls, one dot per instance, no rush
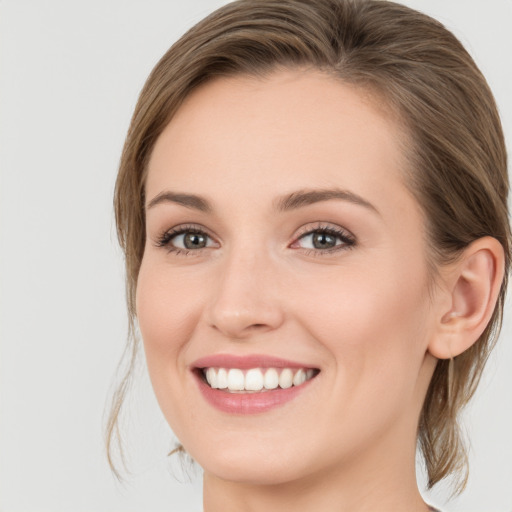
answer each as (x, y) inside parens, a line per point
(245, 300)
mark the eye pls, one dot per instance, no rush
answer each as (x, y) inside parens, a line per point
(185, 239)
(190, 240)
(325, 239)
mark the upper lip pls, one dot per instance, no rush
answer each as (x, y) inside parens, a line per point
(246, 362)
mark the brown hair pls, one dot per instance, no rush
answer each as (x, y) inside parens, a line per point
(455, 147)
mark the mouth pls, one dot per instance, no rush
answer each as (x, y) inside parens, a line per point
(255, 380)
(251, 384)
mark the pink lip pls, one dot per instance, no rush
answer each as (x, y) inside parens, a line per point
(246, 403)
(245, 362)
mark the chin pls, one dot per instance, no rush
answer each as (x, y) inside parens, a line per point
(253, 473)
(258, 464)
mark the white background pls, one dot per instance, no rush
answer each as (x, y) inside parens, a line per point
(70, 73)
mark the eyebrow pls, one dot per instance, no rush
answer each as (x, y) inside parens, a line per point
(302, 198)
(188, 200)
(293, 201)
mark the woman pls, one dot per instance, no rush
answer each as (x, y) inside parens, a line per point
(312, 203)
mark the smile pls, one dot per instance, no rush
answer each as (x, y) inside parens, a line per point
(251, 384)
(254, 380)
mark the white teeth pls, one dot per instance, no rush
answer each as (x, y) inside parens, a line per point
(286, 378)
(222, 378)
(211, 377)
(299, 378)
(236, 380)
(271, 380)
(253, 380)
(256, 379)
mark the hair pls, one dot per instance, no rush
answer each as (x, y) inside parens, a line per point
(455, 150)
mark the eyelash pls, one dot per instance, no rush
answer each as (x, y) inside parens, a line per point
(165, 239)
(348, 241)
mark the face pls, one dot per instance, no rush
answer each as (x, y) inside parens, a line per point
(285, 259)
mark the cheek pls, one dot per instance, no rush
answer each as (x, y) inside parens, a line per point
(364, 299)
(372, 323)
(373, 320)
(166, 310)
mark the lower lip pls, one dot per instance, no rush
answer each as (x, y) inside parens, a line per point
(249, 403)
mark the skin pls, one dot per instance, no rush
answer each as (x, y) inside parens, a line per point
(362, 314)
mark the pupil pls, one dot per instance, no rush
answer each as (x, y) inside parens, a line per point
(194, 241)
(323, 241)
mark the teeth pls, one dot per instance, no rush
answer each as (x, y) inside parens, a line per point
(271, 380)
(299, 378)
(211, 377)
(222, 378)
(256, 379)
(236, 380)
(286, 378)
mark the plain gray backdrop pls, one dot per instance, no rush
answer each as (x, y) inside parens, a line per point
(70, 73)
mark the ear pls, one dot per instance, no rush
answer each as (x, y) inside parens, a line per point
(470, 286)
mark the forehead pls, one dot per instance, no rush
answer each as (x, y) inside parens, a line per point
(268, 136)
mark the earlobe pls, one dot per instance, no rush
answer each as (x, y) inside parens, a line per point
(473, 284)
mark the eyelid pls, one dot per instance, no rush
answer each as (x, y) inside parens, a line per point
(165, 238)
(347, 238)
(323, 226)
